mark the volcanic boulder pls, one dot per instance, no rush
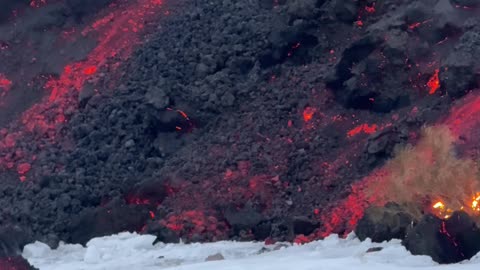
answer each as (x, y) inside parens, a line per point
(345, 81)
(303, 225)
(151, 191)
(384, 223)
(346, 11)
(244, 219)
(112, 218)
(381, 145)
(283, 42)
(12, 241)
(458, 76)
(163, 234)
(446, 241)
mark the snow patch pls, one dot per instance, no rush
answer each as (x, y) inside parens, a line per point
(36, 250)
(127, 251)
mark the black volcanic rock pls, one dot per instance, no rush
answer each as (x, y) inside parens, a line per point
(465, 3)
(113, 218)
(304, 225)
(458, 75)
(8, 6)
(384, 223)
(346, 11)
(243, 219)
(12, 240)
(152, 191)
(381, 145)
(303, 8)
(282, 44)
(163, 234)
(465, 232)
(446, 241)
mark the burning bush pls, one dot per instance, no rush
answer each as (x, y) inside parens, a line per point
(431, 176)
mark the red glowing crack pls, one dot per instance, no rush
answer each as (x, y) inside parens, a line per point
(364, 128)
(434, 82)
(5, 84)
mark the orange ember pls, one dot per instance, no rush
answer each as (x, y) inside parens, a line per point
(308, 113)
(418, 24)
(370, 9)
(476, 203)
(5, 83)
(414, 25)
(434, 82)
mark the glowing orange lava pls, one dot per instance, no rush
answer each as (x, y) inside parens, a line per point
(90, 70)
(308, 113)
(434, 82)
(418, 24)
(365, 128)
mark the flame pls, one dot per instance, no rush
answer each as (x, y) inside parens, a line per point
(439, 205)
(443, 211)
(476, 203)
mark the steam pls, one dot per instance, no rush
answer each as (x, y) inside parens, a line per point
(428, 173)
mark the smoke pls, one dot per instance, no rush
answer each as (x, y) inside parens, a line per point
(429, 172)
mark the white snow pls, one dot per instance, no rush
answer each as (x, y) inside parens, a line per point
(128, 251)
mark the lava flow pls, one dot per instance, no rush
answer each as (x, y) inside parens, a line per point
(434, 83)
(118, 31)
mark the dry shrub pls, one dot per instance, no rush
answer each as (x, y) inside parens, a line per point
(429, 172)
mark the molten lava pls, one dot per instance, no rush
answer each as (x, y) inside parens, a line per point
(308, 113)
(364, 128)
(90, 70)
(434, 82)
(118, 30)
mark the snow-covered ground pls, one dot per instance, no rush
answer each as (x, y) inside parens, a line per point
(135, 252)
